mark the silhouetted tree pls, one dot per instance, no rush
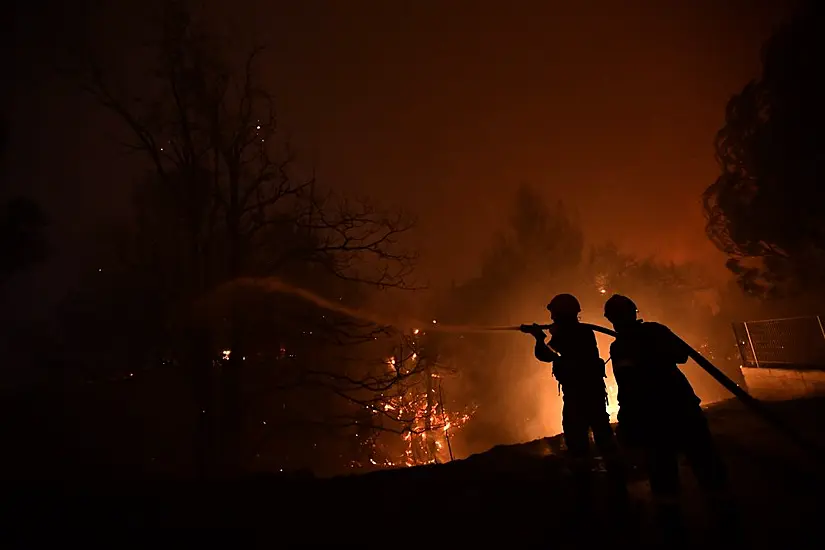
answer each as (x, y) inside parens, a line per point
(666, 286)
(767, 208)
(542, 240)
(222, 201)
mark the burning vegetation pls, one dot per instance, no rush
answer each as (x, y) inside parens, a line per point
(412, 405)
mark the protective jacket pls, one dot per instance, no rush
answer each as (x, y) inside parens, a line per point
(651, 387)
(579, 369)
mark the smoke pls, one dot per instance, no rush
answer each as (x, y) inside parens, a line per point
(274, 284)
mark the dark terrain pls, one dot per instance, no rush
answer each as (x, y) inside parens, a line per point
(509, 494)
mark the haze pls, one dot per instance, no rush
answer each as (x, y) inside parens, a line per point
(468, 115)
(445, 108)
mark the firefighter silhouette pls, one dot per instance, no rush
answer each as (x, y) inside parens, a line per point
(659, 413)
(580, 372)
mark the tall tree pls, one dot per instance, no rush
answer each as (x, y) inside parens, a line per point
(222, 200)
(767, 208)
(542, 241)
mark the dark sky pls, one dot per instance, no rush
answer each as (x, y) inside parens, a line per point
(443, 107)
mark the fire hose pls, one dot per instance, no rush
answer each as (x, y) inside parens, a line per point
(809, 447)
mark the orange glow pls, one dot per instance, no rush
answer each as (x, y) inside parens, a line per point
(612, 402)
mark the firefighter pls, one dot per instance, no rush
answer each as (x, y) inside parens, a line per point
(580, 372)
(659, 413)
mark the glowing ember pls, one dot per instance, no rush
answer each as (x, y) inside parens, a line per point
(601, 283)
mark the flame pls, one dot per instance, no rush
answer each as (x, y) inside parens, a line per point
(428, 427)
(612, 400)
(426, 436)
(414, 407)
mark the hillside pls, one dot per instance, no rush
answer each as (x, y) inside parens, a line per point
(518, 494)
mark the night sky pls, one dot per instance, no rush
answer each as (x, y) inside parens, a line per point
(442, 107)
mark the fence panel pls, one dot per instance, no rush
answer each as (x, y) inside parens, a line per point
(795, 343)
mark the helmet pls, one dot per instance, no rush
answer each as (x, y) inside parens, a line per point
(564, 305)
(618, 307)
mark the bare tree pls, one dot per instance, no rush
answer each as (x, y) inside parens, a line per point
(222, 199)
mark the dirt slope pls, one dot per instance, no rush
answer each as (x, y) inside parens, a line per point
(511, 494)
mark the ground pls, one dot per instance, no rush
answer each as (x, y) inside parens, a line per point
(515, 494)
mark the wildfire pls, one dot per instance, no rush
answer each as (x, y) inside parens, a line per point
(612, 400)
(415, 407)
(427, 432)
(428, 440)
(427, 426)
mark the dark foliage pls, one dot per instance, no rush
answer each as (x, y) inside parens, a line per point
(767, 208)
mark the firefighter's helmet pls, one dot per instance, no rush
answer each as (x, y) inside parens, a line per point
(619, 308)
(564, 305)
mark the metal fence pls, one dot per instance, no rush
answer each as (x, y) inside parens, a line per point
(793, 343)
